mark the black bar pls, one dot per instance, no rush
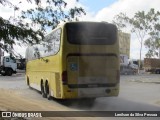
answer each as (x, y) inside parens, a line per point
(91, 85)
(91, 54)
(80, 113)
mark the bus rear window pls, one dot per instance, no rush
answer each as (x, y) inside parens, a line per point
(86, 33)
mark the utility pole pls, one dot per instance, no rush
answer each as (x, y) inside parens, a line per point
(159, 46)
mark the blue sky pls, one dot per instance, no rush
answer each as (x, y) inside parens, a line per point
(96, 5)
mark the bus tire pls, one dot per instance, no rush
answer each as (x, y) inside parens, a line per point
(28, 83)
(87, 101)
(42, 91)
(47, 91)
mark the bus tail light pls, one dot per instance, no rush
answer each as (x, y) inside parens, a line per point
(64, 77)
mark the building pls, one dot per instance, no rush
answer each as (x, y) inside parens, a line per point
(124, 43)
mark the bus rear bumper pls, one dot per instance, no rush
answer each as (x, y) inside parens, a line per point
(91, 92)
(97, 92)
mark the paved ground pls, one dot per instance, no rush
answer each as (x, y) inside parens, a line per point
(137, 93)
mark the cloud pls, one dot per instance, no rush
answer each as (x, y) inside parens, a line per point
(7, 11)
(126, 6)
(129, 7)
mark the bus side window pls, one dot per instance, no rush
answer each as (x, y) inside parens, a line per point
(51, 44)
(56, 40)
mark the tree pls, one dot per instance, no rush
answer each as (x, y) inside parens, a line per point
(153, 42)
(120, 21)
(10, 32)
(48, 16)
(140, 24)
(44, 16)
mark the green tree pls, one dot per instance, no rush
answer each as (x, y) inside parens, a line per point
(20, 31)
(120, 21)
(153, 42)
(141, 24)
(48, 16)
(17, 29)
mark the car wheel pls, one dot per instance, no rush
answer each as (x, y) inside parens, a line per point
(9, 72)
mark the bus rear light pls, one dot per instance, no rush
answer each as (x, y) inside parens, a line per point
(64, 77)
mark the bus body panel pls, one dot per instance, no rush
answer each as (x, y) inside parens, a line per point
(40, 70)
(77, 70)
(91, 72)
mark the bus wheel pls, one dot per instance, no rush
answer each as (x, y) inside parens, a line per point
(47, 91)
(28, 82)
(87, 101)
(42, 91)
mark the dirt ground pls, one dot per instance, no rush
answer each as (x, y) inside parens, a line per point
(13, 100)
(16, 96)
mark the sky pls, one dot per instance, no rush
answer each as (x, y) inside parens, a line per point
(100, 10)
(96, 5)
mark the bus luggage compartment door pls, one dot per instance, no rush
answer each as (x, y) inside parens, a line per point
(91, 75)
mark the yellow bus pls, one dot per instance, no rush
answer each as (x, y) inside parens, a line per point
(76, 60)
